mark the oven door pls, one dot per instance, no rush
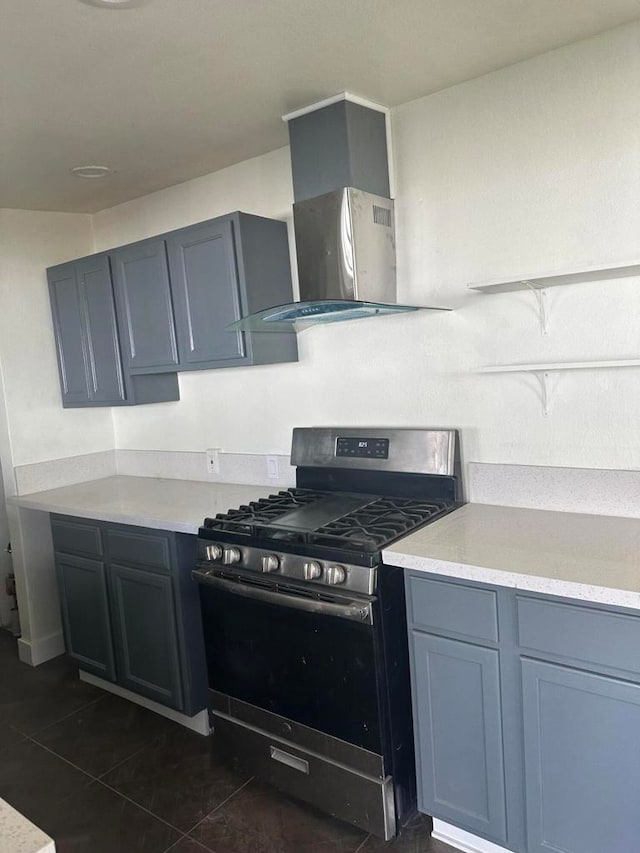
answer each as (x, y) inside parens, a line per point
(309, 656)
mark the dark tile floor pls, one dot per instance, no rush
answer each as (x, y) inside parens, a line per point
(102, 775)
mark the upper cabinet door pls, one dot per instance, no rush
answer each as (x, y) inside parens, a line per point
(70, 334)
(145, 311)
(106, 383)
(207, 296)
(86, 333)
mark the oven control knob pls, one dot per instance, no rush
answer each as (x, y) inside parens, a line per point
(213, 552)
(312, 570)
(231, 555)
(270, 563)
(335, 574)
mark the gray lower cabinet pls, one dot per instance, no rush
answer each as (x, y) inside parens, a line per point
(582, 760)
(130, 609)
(459, 745)
(145, 634)
(526, 716)
(85, 613)
(88, 343)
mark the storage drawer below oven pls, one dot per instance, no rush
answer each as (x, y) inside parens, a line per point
(336, 789)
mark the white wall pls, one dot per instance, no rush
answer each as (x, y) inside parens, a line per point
(531, 168)
(33, 424)
(39, 427)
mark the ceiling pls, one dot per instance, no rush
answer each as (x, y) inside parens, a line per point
(173, 89)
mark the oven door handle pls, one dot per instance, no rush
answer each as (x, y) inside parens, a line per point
(358, 611)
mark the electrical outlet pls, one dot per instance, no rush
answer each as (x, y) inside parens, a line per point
(213, 461)
(272, 467)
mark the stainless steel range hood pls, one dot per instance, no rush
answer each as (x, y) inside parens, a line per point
(343, 219)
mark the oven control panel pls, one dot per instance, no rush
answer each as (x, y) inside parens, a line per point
(354, 578)
(362, 448)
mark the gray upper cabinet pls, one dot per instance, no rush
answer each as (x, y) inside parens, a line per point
(88, 344)
(86, 333)
(206, 293)
(220, 271)
(126, 321)
(145, 309)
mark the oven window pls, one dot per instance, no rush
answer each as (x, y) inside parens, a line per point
(316, 669)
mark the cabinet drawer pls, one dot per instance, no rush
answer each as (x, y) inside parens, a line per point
(151, 550)
(71, 536)
(441, 606)
(585, 635)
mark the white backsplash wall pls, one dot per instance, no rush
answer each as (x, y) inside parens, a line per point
(528, 169)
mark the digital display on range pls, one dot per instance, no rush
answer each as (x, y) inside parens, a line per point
(363, 448)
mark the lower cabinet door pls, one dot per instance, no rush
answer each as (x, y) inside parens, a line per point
(459, 734)
(145, 634)
(582, 761)
(85, 613)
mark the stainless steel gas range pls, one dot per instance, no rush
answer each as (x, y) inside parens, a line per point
(305, 628)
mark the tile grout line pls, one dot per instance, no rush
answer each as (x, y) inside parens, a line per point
(181, 832)
(61, 758)
(220, 805)
(62, 719)
(128, 758)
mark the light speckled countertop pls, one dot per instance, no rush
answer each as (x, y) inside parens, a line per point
(591, 557)
(19, 835)
(179, 505)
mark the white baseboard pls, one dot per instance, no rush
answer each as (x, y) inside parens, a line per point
(198, 724)
(462, 840)
(35, 652)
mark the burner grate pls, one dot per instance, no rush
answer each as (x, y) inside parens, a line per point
(379, 522)
(368, 528)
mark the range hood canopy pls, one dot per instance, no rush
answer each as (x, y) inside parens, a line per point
(343, 218)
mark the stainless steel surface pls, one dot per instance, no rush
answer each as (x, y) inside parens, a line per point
(312, 570)
(214, 552)
(336, 750)
(231, 556)
(293, 761)
(335, 788)
(360, 579)
(270, 563)
(354, 610)
(345, 243)
(416, 451)
(335, 575)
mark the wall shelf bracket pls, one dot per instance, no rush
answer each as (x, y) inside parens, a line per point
(544, 381)
(542, 299)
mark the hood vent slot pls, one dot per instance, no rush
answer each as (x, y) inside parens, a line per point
(382, 215)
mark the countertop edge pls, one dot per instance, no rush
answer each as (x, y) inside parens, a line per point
(21, 835)
(515, 580)
(100, 515)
